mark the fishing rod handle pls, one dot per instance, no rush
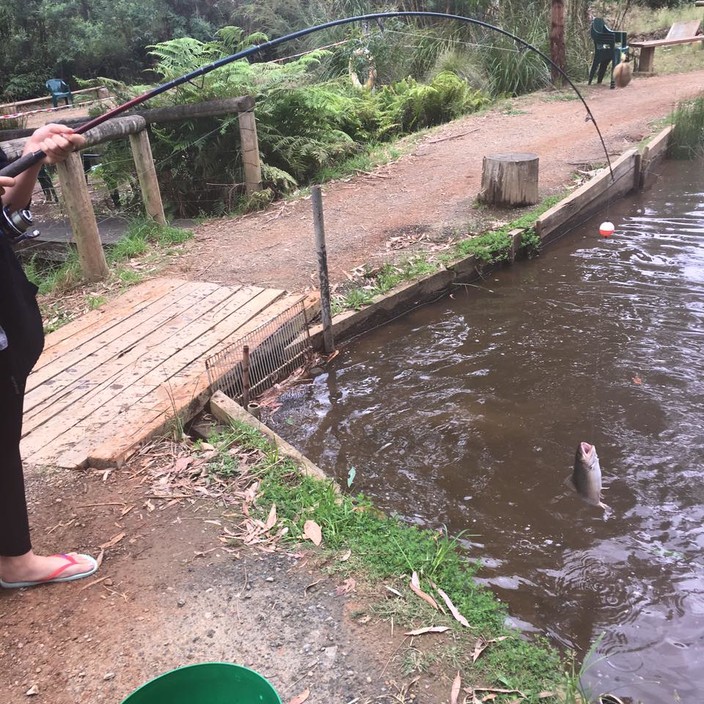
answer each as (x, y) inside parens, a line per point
(22, 164)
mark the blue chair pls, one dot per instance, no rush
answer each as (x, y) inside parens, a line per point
(608, 47)
(59, 91)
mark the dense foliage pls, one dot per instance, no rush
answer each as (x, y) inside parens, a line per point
(304, 123)
(372, 82)
(87, 39)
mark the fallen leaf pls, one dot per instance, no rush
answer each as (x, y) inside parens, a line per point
(455, 692)
(312, 531)
(182, 463)
(496, 690)
(113, 541)
(346, 587)
(637, 380)
(453, 609)
(350, 476)
(428, 629)
(345, 556)
(393, 591)
(300, 698)
(271, 520)
(311, 585)
(481, 645)
(415, 587)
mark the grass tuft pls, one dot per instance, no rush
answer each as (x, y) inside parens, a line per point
(687, 138)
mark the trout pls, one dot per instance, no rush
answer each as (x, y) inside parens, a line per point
(586, 475)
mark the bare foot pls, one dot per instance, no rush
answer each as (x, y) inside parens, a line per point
(31, 568)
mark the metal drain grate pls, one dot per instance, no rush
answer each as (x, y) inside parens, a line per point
(275, 350)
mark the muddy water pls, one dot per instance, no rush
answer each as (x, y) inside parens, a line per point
(467, 414)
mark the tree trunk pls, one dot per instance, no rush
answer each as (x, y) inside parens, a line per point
(557, 41)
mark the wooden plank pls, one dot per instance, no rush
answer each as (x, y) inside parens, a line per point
(115, 393)
(188, 393)
(155, 338)
(116, 341)
(654, 43)
(600, 188)
(71, 335)
(178, 386)
(226, 410)
(682, 30)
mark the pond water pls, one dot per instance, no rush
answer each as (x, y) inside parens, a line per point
(467, 413)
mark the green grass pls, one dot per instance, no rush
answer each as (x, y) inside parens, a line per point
(144, 240)
(489, 248)
(383, 548)
(370, 157)
(687, 139)
(642, 20)
(384, 280)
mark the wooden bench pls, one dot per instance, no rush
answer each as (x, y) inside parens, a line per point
(680, 33)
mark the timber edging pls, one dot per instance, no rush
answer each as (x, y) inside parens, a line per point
(632, 171)
(226, 410)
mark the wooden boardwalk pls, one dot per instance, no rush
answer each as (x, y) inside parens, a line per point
(112, 378)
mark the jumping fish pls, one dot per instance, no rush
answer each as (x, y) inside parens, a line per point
(586, 475)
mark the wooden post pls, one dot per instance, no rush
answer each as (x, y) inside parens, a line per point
(250, 152)
(510, 179)
(146, 173)
(325, 307)
(80, 212)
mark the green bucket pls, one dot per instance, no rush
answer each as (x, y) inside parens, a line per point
(206, 683)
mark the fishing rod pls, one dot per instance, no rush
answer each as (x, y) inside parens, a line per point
(17, 220)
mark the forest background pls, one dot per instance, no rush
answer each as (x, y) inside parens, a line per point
(324, 100)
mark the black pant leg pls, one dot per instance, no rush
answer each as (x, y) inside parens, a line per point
(14, 522)
(21, 321)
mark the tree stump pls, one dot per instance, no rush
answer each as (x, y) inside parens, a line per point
(510, 179)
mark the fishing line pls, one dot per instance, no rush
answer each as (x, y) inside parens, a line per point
(29, 160)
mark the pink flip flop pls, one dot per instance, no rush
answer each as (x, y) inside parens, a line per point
(55, 576)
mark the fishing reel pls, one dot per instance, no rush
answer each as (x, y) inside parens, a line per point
(16, 225)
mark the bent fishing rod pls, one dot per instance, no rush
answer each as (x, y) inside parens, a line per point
(28, 160)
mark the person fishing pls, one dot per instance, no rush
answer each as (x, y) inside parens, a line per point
(21, 343)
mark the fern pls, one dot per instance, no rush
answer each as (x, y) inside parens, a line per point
(304, 126)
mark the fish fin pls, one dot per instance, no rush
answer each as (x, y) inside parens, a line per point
(608, 511)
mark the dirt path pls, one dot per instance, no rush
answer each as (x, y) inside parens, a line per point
(431, 190)
(170, 593)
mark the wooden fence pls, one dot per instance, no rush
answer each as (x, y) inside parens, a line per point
(75, 188)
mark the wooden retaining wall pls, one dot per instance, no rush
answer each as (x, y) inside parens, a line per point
(607, 186)
(632, 171)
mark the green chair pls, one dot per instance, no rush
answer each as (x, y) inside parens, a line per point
(59, 91)
(608, 47)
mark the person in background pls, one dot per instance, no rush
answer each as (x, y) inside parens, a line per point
(21, 343)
